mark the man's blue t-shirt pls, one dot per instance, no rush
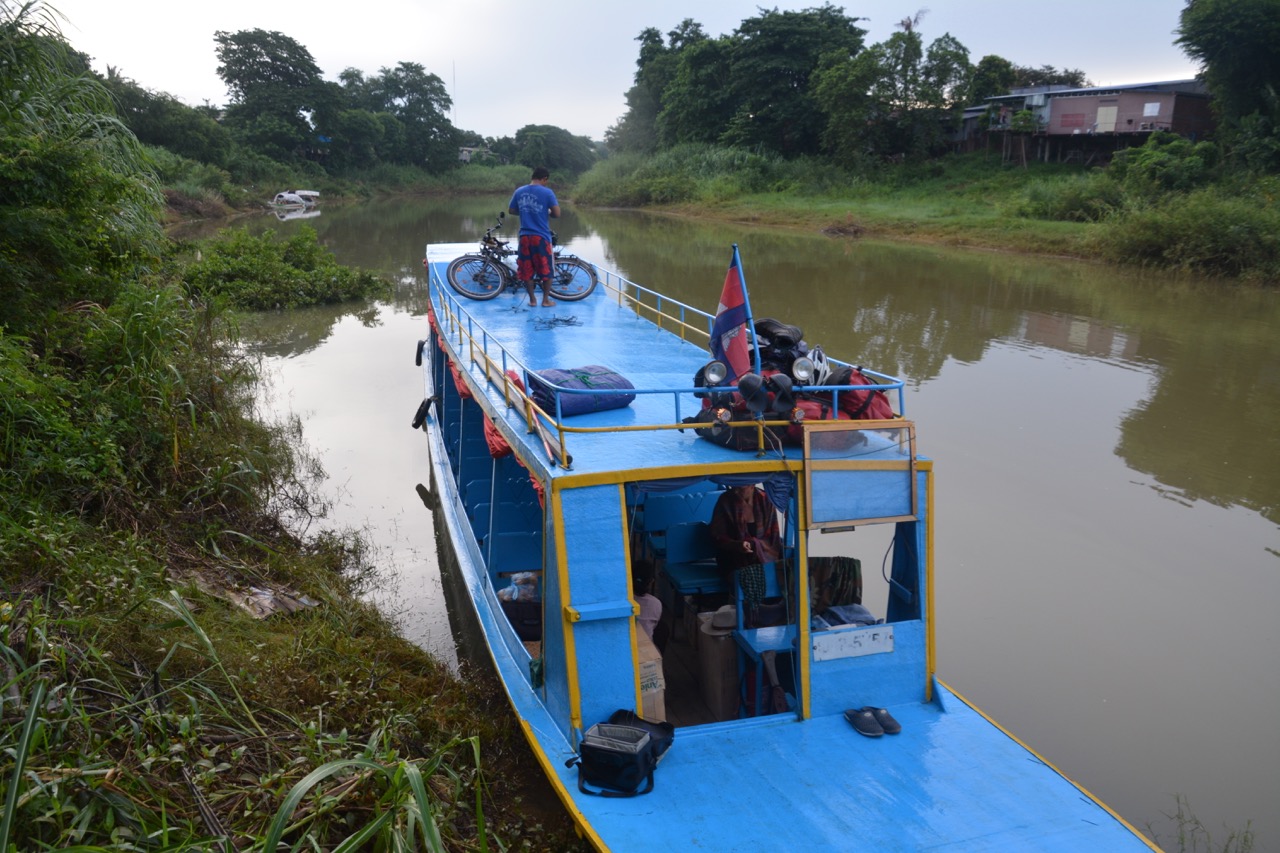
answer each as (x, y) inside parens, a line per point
(534, 203)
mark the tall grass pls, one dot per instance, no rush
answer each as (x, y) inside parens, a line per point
(1206, 232)
(709, 174)
(164, 752)
(1169, 205)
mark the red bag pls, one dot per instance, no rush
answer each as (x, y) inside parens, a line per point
(865, 405)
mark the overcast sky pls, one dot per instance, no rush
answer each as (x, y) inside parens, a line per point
(569, 63)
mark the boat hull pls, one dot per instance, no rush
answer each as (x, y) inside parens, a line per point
(950, 779)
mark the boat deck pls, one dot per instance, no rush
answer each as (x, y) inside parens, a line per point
(575, 334)
(946, 782)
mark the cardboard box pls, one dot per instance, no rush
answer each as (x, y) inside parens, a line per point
(653, 683)
(718, 668)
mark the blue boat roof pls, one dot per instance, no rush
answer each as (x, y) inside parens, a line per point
(659, 358)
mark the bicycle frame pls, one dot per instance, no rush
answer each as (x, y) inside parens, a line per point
(572, 278)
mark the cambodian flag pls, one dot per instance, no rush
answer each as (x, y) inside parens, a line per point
(729, 335)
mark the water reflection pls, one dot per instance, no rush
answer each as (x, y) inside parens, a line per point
(1106, 454)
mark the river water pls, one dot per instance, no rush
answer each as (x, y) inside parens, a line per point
(1107, 455)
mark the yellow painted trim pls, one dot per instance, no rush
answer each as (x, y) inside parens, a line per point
(1053, 766)
(570, 647)
(802, 606)
(858, 465)
(602, 478)
(631, 596)
(566, 798)
(930, 648)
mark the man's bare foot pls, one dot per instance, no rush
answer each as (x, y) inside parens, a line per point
(533, 303)
(547, 303)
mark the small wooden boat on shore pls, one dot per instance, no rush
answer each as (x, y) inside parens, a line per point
(572, 445)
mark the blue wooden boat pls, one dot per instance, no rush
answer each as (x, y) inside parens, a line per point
(569, 504)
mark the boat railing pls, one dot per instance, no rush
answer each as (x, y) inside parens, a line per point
(674, 316)
(498, 364)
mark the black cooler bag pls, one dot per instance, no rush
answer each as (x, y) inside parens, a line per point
(617, 758)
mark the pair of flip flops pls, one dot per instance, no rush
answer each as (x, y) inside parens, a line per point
(872, 722)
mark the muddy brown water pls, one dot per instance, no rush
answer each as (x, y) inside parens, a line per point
(1107, 458)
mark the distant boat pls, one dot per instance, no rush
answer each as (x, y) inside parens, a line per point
(285, 214)
(294, 200)
(556, 482)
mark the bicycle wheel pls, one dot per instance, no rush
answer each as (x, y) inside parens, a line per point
(574, 279)
(475, 277)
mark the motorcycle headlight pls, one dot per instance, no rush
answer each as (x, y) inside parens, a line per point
(715, 372)
(802, 370)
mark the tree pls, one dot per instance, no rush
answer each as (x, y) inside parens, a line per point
(894, 99)
(775, 56)
(164, 121)
(254, 63)
(637, 129)
(697, 105)
(1235, 43)
(274, 86)
(946, 74)
(993, 75)
(856, 114)
(355, 139)
(420, 102)
(1047, 75)
(1023, 124)
(553, 147)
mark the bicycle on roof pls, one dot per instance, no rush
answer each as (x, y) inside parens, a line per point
(490, 271)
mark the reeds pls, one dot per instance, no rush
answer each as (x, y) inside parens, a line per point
(107, 755)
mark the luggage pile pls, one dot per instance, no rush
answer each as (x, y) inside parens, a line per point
(797, 382)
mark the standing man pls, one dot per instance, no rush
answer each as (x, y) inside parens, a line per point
(536, 205)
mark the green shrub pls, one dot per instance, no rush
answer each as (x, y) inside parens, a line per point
(1165, 163)
(1203, 232)
(261, 273)
(1083, 198)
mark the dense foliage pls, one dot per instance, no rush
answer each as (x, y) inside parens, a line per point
(1235, 43)
(284, 119)
(803, 83)
(141, 497)
(76, 210)
(262, 272)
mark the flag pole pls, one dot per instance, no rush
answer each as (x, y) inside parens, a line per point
(746, 303)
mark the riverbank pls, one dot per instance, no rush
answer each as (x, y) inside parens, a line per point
(189, 663)
(980, 228)
(1157, 207)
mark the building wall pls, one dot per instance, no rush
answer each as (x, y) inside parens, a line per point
(1129, 112)
(1117, 112)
